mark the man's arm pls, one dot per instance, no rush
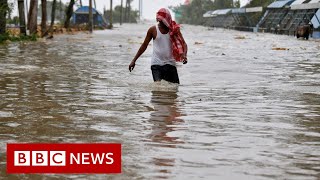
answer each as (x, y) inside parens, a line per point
(142, 48)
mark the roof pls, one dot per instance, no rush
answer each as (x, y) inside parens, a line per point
(299, 4)
(85, 10)
(280, 4)
(208, 14)
(254, 9)
(217, 12)
(221, 12)
(239, 10)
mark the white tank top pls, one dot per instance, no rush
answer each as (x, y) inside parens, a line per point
(162, 50)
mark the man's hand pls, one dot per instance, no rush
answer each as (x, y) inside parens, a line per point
(184, 59)
(132, 65)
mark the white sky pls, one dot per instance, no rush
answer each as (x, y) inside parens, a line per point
(150, 7)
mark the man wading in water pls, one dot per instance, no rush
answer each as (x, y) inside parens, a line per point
(168, 47)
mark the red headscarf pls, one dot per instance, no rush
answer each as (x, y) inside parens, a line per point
(175, 35)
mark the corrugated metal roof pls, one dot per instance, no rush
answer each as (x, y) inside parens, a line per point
(221, 11)
(296, 2)
(238, 11)
(208, 14)
(254, 9)
(85, 10)
(306, 6)
(280, 4)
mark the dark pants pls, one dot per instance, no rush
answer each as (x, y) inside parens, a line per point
(166, 72)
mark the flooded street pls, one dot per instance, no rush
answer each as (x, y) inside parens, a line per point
(248, 106)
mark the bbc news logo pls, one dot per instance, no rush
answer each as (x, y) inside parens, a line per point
(63, 158)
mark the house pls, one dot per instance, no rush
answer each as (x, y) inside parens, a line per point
(81, 16)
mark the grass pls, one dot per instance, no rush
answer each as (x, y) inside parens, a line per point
(7, 37)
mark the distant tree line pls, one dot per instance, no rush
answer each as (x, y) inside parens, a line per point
(256, 3)
(126, 16)
(193, 13)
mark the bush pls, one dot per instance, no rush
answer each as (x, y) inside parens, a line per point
(8, 37)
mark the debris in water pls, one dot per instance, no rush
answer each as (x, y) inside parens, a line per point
(240, 37)
(197, 43)
(280, 49)
(223, 54)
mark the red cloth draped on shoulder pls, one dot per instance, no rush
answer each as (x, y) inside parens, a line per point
(178, 46)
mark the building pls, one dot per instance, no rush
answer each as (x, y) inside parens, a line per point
(81, 16)
(237, 18)
(284, 16)
(281, 16)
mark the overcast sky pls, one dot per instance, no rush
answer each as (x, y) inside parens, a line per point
(150, 7)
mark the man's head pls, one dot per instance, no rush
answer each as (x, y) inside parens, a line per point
(164, 16)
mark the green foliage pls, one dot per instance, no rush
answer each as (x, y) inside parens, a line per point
(14, 20)
(193, 13)
(223, 4)
(7, 37)
(256, 3)
(59, 12)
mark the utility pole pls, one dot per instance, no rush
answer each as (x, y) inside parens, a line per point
(80, 3)
(110, 26)
(140, 9)
(90, 17)
(22, 18)
(95, 4)
(126, 12)
(121, 12)
(60, 11)
(27, 11)
(129, 10)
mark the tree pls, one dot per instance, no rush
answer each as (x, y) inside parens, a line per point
(53, 14)
(223, 4)
(193, 13)
(32, 16)
(3, 13)
(111, 17)
(116, 15)
(22, 17)
(90, 24)
(69, 12)
(44, 18)
(255, 3)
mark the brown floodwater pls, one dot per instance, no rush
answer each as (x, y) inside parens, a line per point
(248, 106)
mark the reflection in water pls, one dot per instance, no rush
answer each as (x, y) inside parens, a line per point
(164, 118)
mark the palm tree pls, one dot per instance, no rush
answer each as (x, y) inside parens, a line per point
(44, 18)
(69, 14)
(22, 19)
(32, 16)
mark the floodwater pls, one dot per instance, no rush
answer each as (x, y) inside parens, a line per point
(248, 106)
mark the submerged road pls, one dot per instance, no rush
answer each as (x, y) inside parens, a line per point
(248, 106)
